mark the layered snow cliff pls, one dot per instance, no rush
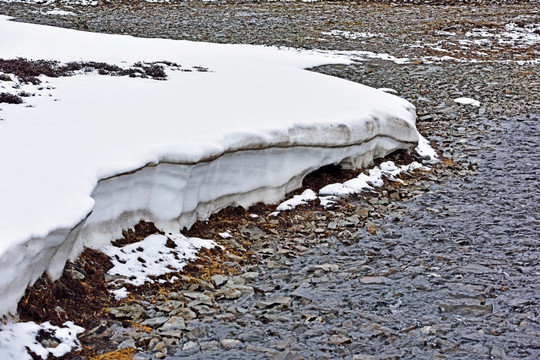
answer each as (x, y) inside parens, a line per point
(90, 155)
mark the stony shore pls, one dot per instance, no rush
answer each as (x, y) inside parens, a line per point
(444, 266)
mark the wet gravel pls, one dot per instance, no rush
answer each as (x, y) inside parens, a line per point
(451, 274)
(445, 267)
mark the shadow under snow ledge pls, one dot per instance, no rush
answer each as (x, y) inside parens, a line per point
(90, 155)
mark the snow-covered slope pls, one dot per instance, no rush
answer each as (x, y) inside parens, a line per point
(90, 155)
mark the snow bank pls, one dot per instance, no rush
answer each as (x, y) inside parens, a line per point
(90, 155)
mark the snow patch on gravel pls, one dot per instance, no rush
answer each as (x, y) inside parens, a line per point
(365, 181)
(307, 195)
(351, 35)
(154, 256)
(467, 101)
(16, 338)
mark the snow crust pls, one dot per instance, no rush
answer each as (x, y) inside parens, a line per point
(15, 338)
(95, 154)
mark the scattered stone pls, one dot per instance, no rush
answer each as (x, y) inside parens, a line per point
(185, 313)
(155, 322)
(132, 311)
(250, 275)
(129, 343)
(232, 294)
(339, 340)
(219, 280)
(379, 280)
(175, 323)
(263, 289)
(364, 357)
(324, 267)
(208, 345)
(190, 345)
(234, 258)
(202, 298)
(170, 305)
(465, 309)
(375, 329)
(289, 355)
(231, 343)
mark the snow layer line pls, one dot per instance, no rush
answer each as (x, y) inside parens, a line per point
(95, 154)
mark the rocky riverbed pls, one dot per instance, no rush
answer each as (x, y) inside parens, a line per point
(443, 266)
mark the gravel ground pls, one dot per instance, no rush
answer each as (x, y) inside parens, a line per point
(444, 267)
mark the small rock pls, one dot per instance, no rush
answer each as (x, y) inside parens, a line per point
(204, 299)
(245, 289)
(204, 310)
(250, 275)
(264, 350)
(234, 258)
(264, 304)
(208, 345)
(160, 347)
(339, 340)
(364, 357)
(354, 219)
(363, 213)
(283, 301)
(497, 353)
(289, 355)
(184, 313)
(170, 305)
(49, 343)
(75, 274)
(231, 343)
(174, 323)
(131, 311)
(129, 343)
(428, 117)
(379, 280)
(327, 267)
(219, 280)
(189, 345)
(227, 317)
(465, 309)
(332, 225)
(155, 322)
(263, 289)
(232, 294)
(344, 223)
(375, 329)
